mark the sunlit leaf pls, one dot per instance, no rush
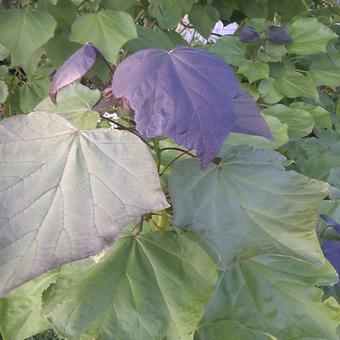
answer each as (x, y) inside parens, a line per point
(65, 194)
(153, 286)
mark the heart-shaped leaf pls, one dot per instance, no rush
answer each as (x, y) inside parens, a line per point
(153, 286)
(185, 94)
(65, 194)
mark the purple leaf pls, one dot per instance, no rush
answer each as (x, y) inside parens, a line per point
(278, 35)
(331, 222)
(249, 119)
(331, 249)
(185, 94)
(249, 34)
(77, 65)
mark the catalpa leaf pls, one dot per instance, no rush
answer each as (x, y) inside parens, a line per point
(20, 312)
(186, 94)
(248, 204)
(65, 194)
(76, 66)
(150, 286)
(271, 297)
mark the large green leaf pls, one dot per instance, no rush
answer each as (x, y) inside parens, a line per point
(231, 49)
(204, 17)
(293, 84)
(20, 312)
(300, 122)
(248, 205)
(66, 194)
(23, 31)
(75, 103)
(108, 30)
(255, 70)
(309, 36)
(330, 77)
(268, 91)
(153, 286)
(272, 297)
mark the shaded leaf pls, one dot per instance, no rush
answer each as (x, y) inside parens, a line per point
(249, 34)
(272, 297)
(254, 70)
(173, 94)
(20, 312)
(23, 31)
(151, 286)
(77, 203)
(278, 35)
(331, 222)
(248, 205)
(104, 30)
(3, 91)
(330, 77)
(77, 65)
(75, 104)
(309, 36)
(3, 52)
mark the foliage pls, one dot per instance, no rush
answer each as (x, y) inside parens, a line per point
(175, 190)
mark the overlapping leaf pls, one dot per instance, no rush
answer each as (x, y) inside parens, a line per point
(248, 205)
(186, 94)
(153, 286)
(65, 194)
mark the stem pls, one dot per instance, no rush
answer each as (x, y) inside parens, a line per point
(170, 163)
(179, 149)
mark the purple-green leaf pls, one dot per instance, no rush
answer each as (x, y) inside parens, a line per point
(185, 94)
(278, 35)
(331, 249)
(77, 65)
(249, 34)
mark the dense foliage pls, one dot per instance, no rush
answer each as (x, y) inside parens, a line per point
(162, 178)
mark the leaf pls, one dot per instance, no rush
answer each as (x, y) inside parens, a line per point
(118, 5)
(76, 66)
(173, 94)
(249, 34)
(255, 70)
(300, 122)
(278, 35)
(231, 49)
(331, 222)
(169, 13)
(331, 249)
(20, 313)
(75, 104)
(249, 119)
(4, 70)
(3, 52)
(71, 195)
(271, 297)
(204, 17)
(309, 36)
(23, 31)
(268, 92)
(293, 84)
(329, 77)
(3, 91)
(149, 38)
(151, 286)
(104, 30)
(272, 52)
(248, 205)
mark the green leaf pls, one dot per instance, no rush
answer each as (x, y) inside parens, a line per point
(150, 286)
(85, 186)
(59, 48)
(320, 115)
(300, 122)
(32, 92)
(3, 72)
(3, 52)
(248, 205)
(273, 52)
(20, 313)
(269, 93)
(231, 49)
(75, 103)
(224, 8)
(293, 84)
(3, 91)
(255, 70)
(329, 77)
(271, 297)
(117, 5)
(108, 30)
(24, 31)
(251, 89)
(149, 38)
(309, 36)
(169, 13)
(204, 17)
(278, 130)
